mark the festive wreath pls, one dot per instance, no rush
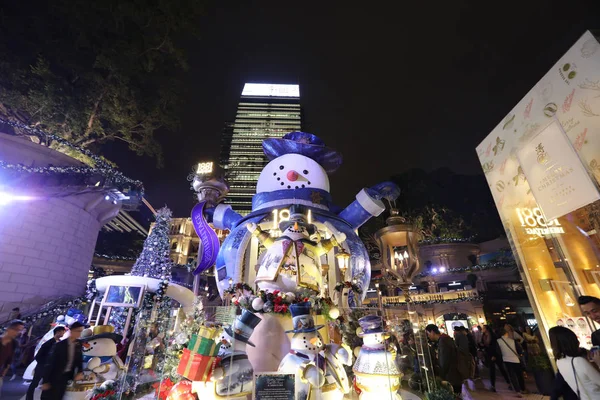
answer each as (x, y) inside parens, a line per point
(349, 285)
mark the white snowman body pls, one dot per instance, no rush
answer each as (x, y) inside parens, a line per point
(292, 171)
(375, 370)
(101, 356)
(302, 360)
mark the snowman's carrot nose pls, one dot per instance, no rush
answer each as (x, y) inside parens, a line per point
(314, 341)
(295, 226)
(292, 175)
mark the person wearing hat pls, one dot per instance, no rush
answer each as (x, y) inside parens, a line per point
(293, 259)
(234, 378)
(376, 373)
(304, 359)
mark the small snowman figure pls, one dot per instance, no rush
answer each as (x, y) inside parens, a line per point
(304, 359)
(293, 259)
(100, 352)
(375, 371)
(234, 378)
(100, 361)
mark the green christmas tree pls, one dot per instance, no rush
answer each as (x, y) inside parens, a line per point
(154, 261)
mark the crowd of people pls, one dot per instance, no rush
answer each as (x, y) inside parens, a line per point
(509, 350)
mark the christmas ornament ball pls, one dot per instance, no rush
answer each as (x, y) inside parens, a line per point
(359, 331)
(258, 303)
(182, 391)
(334, 313)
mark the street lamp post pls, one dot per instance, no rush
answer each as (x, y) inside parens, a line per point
(398, 243)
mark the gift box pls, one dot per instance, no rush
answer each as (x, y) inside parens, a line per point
(208, 332)
(196, 367)
(203, 346)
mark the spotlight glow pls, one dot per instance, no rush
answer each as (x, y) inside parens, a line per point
(6, 198)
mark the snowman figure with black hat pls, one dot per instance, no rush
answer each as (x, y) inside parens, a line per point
(304, 359)
(296, 175)
(376, 374)
(100, 360)
(293, 259)
(234, 377)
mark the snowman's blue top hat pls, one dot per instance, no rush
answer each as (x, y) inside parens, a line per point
(243, 327)
(301, 318)
(371, 324)
(305, 144)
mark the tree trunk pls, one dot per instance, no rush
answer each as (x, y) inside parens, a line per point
(93, 115)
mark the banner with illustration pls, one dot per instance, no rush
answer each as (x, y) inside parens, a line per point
(570, 94)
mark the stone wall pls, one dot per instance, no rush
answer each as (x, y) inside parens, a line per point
(46, 244)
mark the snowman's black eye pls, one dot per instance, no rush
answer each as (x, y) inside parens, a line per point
(95, 342)
(305, 172)
(281, 167)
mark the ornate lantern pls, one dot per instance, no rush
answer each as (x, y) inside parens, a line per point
(343, 258)
(398, 243)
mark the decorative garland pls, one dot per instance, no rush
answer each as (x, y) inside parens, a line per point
(458, 300)
(101, 166)
(352, 286)
(107, 391)
(115, 257)
(481, 267)
(446, 239)
(238, 287)
(277, 302)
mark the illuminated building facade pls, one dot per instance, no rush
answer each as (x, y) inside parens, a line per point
(265, 111)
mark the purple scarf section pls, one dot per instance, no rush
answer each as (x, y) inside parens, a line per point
(208, 239)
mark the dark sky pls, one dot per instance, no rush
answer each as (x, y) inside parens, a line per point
(392, 88)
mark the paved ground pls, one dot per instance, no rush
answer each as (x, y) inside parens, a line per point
(477, 390)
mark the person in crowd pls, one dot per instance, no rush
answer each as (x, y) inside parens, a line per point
(561, 389)
(533, 343)
(8, 346)
(590, 306)
(472, 350)
(41, 357)
(15, 314)
(460, 338)
(581, 376)
(513, 334)
(447, 357)
(64, 363)
(511, 352)
(492, 358)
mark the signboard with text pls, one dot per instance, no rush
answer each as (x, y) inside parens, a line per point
(556, 176)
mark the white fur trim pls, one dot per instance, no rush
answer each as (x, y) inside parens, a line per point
(286, 202)
(219, 214)
(371, 205)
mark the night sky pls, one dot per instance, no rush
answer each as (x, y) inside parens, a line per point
(416, 86)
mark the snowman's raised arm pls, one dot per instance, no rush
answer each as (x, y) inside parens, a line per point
(222, 216)
(262, 236)
(369, 204)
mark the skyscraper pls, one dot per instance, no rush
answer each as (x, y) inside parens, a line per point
(265, 111)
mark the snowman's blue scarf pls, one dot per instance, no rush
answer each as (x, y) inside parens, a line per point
(103, 359)
(312, 197)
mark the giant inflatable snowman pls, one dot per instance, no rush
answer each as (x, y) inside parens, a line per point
(297, 175)
(234, 378)
(376, 373)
